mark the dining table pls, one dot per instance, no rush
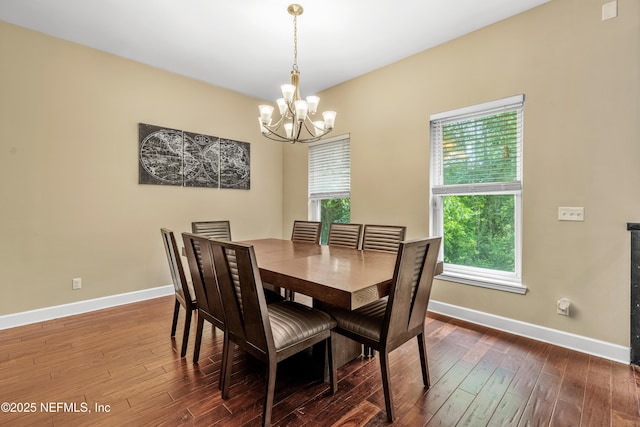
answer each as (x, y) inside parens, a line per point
(344, 277)
(340, 276)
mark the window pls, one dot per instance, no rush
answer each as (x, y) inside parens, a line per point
(330, 182)
(476, 190)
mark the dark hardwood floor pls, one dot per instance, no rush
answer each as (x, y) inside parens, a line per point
(122, 368)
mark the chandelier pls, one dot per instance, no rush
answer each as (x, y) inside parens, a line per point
(295, 123)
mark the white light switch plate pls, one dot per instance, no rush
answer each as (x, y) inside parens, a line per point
(570, 213)
(610, 10)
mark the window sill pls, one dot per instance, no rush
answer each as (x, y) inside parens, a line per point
(489, 284)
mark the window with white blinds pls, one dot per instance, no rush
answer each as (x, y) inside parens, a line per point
(330, 169)
(476, 192)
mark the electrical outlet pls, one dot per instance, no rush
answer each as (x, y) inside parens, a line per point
(76, 283)
(563, 306)
(570, 214)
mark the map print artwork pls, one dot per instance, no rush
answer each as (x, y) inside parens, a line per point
(175, 157)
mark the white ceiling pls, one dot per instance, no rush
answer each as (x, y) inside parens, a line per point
(247, 45)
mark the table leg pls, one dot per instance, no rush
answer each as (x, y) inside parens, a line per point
(346, 348)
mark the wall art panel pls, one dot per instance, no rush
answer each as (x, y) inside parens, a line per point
(235, 161)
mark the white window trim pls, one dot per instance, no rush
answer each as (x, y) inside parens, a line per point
(314, 210)
(486, 278)
(485, 108)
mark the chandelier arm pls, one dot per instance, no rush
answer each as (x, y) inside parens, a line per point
(309, 140)
(276, 137)
(298, 130)
(305, 123)
(313, 125)
(291, 111)
(273, 128)
(277, 124)
(312, 133)
(312, 128)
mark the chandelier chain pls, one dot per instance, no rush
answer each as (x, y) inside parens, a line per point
(295, 42)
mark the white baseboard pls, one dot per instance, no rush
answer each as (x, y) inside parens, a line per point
(587, 345)
(55, 312)
(606, 350)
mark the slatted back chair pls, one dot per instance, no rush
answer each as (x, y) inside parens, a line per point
(205, 285)
(385, 238)
(388, 323)
(184, 294)
(303, 231)
(270, 334)
(212, 229)
(306, 231)
(347, 235)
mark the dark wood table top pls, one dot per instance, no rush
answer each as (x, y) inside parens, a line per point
(344, 277)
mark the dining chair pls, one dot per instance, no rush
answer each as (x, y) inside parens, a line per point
(303, 231)
(184, 294)
(205, 285)
(386, 324)
(212, 229)
(384, 238)
(306, 231)
(347, 235)
(270, 333)
(222, 230)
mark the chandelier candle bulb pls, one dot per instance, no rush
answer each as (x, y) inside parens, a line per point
(265, 113)
(329, 119)
(301, 109)
(313, 102)
(287, 92)
(288, 127)
(282, 106)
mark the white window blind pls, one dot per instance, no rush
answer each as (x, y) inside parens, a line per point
(330, 169)
(478, 149)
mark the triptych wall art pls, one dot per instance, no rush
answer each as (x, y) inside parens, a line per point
(176, 157)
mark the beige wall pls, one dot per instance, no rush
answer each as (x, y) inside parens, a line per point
(581, 79)
(71, 205)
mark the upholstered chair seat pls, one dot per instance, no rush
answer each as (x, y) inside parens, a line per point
(366, 321)
(292, 323)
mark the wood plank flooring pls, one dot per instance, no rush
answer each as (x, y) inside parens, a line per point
(118, 367)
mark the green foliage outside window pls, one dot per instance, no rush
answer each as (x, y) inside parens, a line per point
(479, 229)
(333, 210)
